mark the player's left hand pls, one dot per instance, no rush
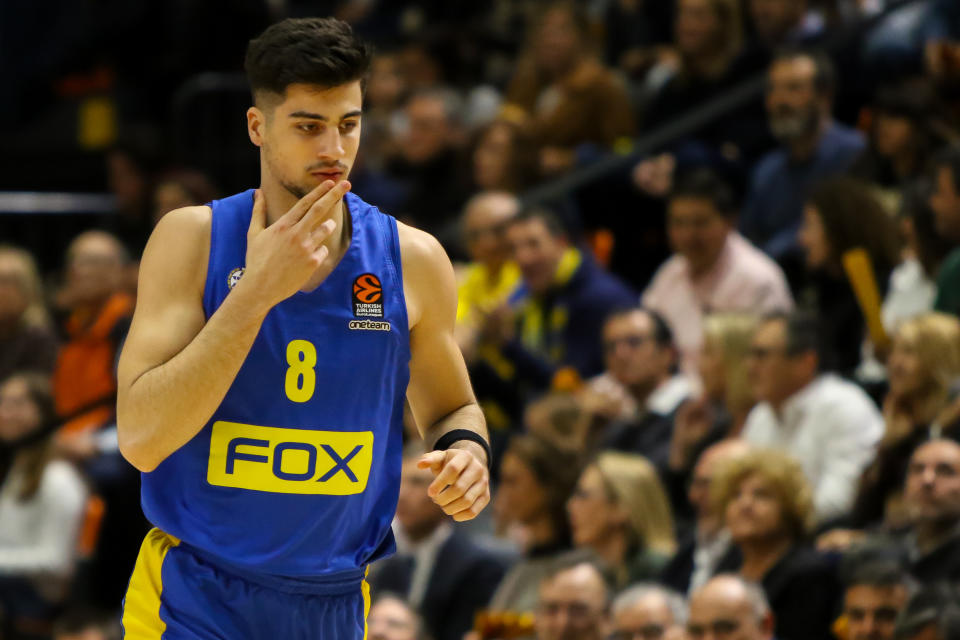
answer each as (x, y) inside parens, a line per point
(461, 486)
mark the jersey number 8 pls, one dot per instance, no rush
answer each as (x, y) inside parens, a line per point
(301, 380)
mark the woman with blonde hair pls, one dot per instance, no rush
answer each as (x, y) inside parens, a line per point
(620, 511)
(727, 398)
(767, 506)
(922, 369)
(27, 342)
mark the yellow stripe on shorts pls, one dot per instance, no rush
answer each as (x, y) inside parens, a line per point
(141, 607)
(365, 589)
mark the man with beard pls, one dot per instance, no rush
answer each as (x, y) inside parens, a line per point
(813, 147)
(932, 495)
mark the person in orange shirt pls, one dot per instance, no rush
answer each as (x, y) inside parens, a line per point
(98, 315)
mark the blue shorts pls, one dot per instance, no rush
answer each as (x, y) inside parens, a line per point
(177, 593)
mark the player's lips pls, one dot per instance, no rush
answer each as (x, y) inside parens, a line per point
(328, 175)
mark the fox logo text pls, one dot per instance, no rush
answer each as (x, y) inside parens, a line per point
(279, 460)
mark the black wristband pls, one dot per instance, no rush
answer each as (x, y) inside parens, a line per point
(443, 442)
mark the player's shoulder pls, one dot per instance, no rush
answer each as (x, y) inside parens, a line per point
(428, 280)
(185, 220)
(420, 251)
(181, 240)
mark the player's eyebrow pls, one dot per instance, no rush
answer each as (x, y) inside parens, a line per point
(317, 116)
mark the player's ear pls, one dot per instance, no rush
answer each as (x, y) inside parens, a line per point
(256, 122)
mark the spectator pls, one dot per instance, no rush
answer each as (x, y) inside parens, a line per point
(876, 592)
(99, 313)
(84, 388)
(842, 215)
(562, 305)
(900, 139)
(813, 147)
(933, 507)
(923, 366)
(26, 341)
(491, 277)
(708, 43)
(178, 188)
(504, 157)
(559, 417)
(945, 202)
(636, 35)
(650, 612)
(721, 410)
(382, 107)
(708, 545)
(933, 613)
(729, 607)
(131, 165)
(87, 624)
(727, 397)
(641, 382)
(713, 268)
(41, 506)
(912, 288)
(620, 511)
(780, 22)
(767, 505)
(574, 601)
(568, 96)
(829, 425)
(440, 571)
(430, 162)
(391, 618)
(536, 479)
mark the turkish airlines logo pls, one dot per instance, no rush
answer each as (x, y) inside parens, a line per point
(367, 296)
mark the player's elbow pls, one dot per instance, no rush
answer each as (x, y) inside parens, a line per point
(134, 448)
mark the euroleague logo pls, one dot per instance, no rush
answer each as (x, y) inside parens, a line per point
(234, 277)
(367, 296)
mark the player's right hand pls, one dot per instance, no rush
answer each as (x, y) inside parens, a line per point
(283, 257)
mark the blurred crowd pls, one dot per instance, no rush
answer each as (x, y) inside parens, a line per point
(708, 254)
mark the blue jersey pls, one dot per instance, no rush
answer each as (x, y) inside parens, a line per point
(297, 473)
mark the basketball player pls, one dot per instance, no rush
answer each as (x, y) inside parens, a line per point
(277, 335)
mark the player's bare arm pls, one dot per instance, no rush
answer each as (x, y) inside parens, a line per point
(440, 396)
(176, 367)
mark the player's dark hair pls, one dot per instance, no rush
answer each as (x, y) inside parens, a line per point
(705, 184)
(318, 51)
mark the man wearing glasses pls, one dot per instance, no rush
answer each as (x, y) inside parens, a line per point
(574, 600)
(829, 425)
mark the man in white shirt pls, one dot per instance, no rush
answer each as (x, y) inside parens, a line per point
(828, 424)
